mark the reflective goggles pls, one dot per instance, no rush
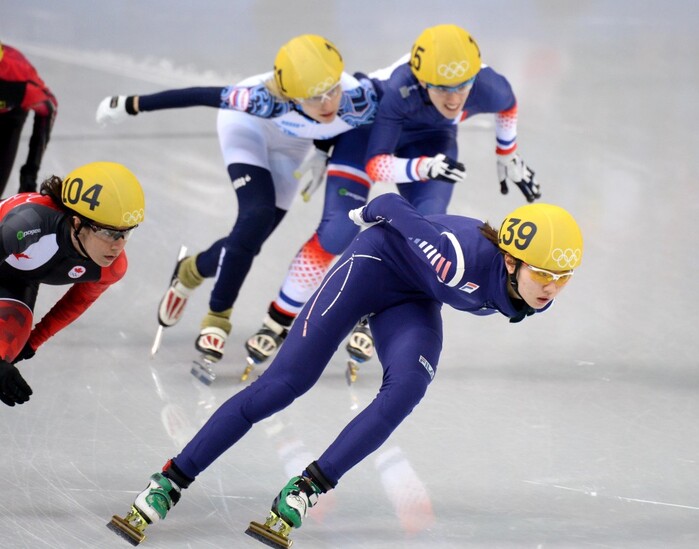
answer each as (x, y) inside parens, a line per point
(109, 235)
(544, 277)
(316, 100)
(461, 88)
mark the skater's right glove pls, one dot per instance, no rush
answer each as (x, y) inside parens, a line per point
(115, 109)
(13, 388)
(441, 168)
(312, 172)
(357, 216)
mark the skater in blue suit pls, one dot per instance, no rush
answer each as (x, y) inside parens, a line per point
(413, 142)
(399, 272)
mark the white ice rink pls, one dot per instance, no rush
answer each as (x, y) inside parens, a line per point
(576, 429)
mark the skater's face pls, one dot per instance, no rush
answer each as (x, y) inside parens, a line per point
(102, 244)
(449, 101)
(537, 286)
(323, 108)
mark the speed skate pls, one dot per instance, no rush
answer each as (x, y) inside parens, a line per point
(130, 527)
(273, 533)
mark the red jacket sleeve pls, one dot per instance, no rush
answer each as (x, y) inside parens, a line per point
(75, 301)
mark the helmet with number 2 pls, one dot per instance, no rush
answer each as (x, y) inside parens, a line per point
(542, 235)
(445, 55)
(106, 193)
(307, 66)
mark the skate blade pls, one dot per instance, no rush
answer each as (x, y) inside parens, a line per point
(156, 341)
(352, 371)
(202, 370)
(264, 534)
(124, 530)
(248, 369)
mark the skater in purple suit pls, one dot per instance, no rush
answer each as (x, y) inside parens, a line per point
(399, 272)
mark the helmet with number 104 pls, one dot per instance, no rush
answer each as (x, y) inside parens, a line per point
(106, 193)
(307, 66)
(543, 236)
(445, 55)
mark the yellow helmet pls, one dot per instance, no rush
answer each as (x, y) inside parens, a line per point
(543, 236)
(106, 193)
(445, 55)
(307, 66)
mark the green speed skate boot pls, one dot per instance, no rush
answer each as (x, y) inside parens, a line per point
(150, 506)
(290, 507)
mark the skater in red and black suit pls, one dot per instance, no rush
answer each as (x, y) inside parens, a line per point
(22, 90)
(72, 232)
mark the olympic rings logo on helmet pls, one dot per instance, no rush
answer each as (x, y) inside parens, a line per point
(321, 87)
(453, 70)
(566, 259)
(133, 218)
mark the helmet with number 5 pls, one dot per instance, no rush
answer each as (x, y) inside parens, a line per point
(542, 235)
(106, 193)
(307, 66)
(445, 55)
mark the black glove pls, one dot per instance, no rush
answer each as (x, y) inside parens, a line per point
(27, 182)
(13, 388)
(25, 354)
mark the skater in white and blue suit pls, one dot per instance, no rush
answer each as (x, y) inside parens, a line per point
(400, 272)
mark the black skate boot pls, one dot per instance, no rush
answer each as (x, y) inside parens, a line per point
(150, 506)
(263, 344)
(290, 507)
(360, 348)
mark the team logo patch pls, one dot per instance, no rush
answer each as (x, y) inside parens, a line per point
(469, 287)
(427, 365)
(77, 271)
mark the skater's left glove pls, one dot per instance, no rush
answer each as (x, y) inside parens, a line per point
(513, 170)
(25, 354)
(13, 388)
(115, 109)
(357, 216)
(312, 172)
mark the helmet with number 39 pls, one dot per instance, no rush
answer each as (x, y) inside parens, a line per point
(542, 235)
(445, 55)
(105, 193)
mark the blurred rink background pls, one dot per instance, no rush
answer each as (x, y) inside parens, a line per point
(575, 429)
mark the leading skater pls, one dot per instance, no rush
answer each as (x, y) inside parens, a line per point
(72, 232)
(400, 271)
